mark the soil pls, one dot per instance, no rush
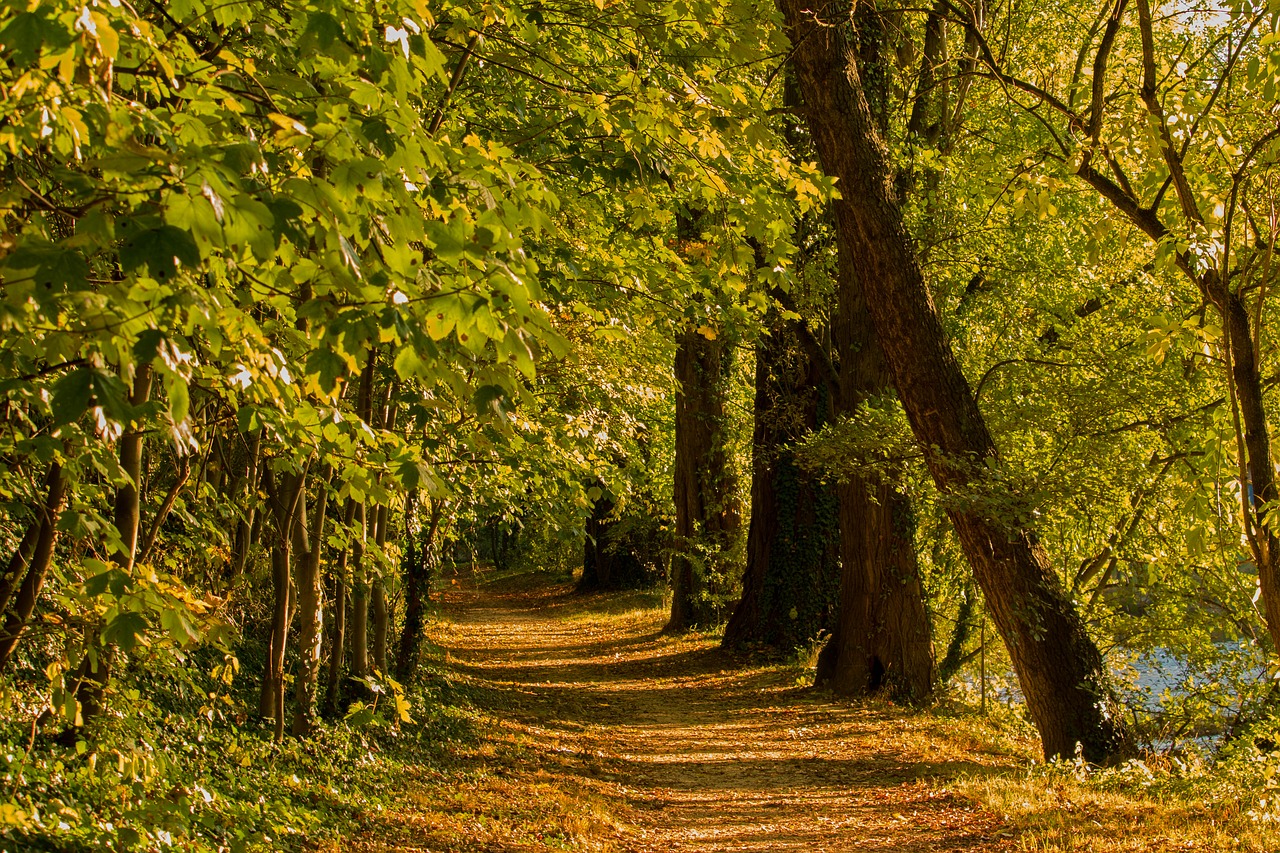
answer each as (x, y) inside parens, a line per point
(670, 744)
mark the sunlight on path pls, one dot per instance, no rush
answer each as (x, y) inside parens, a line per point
(708, 756)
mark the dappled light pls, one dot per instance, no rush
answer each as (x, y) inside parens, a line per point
(689, 748)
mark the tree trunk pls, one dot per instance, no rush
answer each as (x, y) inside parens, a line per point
(245, 526)
(287, 494)
(791, 584)
(338, 634)
(359, 601)
(707, 519)
(595, 568)
(418, 565)
(882, 639)
(310, 615)
(127, 512)
(94, 674)
(28, 567)
(1059, 667)
(1261, 492)
(381, 613)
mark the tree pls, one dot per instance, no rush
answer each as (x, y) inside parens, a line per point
(707, 515)
(791, 582)
(1176, 155)
(883, 638)
(1058, 665)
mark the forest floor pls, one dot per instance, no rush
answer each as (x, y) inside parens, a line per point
(599, 733)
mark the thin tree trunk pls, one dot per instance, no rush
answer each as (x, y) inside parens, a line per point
(359, 601)
(310, 614)
(1058, 665)
(34, 567)
(19, 564)
(170, 498)
(127, 515)
(595, 573)
(287, 495)
(419, 562)
(245, 527)
(381, 613)
(707, 517)
(338, 635)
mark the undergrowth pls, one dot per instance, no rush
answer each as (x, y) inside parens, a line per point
(180, 764)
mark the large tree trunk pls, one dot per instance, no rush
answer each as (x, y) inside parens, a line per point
(790, 586)
(310, 615)
(707, 517)
(30, 563)
(883, 638)
(1059, 667)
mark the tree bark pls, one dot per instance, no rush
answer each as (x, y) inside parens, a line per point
(595, 573)
(31, 567)
(707, 516)
(338, 634)
(882, 639)
(244, 538)
(790, 589)
(1058, 666)
(381, 613)
(95, 671)
(418, 570)
(287, 495)
(359, 601)
(310, 615)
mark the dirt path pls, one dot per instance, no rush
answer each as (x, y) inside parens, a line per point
(680, 748)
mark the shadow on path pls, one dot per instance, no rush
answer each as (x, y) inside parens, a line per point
(709, 753)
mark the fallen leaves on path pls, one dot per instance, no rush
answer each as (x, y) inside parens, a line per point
(607, 735)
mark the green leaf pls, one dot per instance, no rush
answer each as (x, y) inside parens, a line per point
(251, 224)
(443, 315)
(175, 621)
(162, 251)
(124, 629)
(360, 715)
(23, 38)
(408, 363)
(53, 268)
(111, 578)
(446, 244)
(179, 398)
(322, 31)
(72, 396)
(247, 419)
(491, 400)
(195, 215)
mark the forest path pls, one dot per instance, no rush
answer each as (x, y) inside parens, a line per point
(650, 743)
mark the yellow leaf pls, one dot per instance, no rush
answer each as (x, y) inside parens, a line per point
(707, 332)
(108, 39)
(284, 122)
